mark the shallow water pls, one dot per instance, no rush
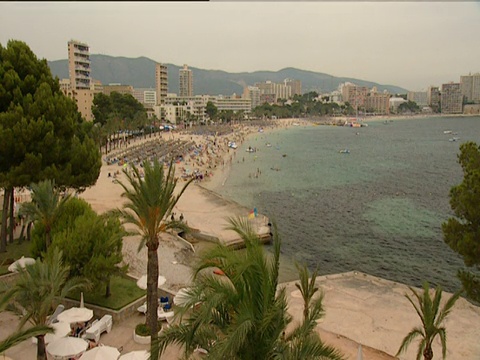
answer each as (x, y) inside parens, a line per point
(378, 209)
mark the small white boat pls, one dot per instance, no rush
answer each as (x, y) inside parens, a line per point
(344, 151)
(232, 145)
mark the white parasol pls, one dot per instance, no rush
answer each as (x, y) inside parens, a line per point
(101, 353)
(75, 315)
(67, 347)
(135, 355)
(21, 263)
(142, 281)
(182, 296)
(60, 329)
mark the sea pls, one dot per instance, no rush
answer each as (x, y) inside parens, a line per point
(369, 199)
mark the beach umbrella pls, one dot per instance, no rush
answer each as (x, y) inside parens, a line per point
(181, 297)
(60, 329)
(142, 281)
(101, 352)
(66, 347)
(135, 355)
(75, 315)
(21, 263)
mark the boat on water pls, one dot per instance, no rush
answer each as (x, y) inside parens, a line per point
(232, 145)
(268, 145)
(447, 131)
(251, 150)
(344, 151)
(454, 139)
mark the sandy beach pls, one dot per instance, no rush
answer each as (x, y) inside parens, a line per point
(360, 309)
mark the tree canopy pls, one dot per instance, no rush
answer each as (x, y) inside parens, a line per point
(123, 107)
(40, 128)
(462, 232)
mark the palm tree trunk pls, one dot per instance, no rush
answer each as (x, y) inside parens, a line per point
(41, 353)
(3, 232)
(12, 215)
(152, 296)
(29, 230)
(22, 234)
(428, 353)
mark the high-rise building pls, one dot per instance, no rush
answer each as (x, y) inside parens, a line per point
(419, 97)
(470, 88)
(161, 82)
(186, 81)
(451, 98)
(252, 93)
(354, 95)
(433, 97)
(79, 75)
(79, 65)
(379, 103)
(295, 85)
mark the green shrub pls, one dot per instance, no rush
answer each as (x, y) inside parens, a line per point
(144, 330)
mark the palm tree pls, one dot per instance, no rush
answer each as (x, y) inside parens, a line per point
(308, 289)
(45, 207)
(149, 203)
(432, 318)
(37, 291)
(243, 314)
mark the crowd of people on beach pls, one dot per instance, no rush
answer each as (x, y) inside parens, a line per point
(197, 151)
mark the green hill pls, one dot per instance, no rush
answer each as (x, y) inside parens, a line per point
(140, 72)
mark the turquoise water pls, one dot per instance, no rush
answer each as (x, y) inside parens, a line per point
(378, 209)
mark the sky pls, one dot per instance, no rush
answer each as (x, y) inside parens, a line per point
(408, 44)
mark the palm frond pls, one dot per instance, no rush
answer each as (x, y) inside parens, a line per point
(407, 340)
(22, 335)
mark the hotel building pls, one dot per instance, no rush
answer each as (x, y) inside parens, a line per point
(186, 82)
(451, 98)
(79, 78)
(161, 83)
(470, 88)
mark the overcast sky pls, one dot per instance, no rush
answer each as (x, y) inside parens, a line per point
(408, 44)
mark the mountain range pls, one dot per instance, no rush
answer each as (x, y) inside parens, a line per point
(140, 73)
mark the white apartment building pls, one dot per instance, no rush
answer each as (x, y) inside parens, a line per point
(451, 98)
(233, 103)
(79, 78)
(186, 81)
(252, 93)
(420, 97)
(470, 87)
(161, 82)
(145, 96)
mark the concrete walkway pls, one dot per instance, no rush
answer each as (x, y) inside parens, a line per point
(359, 309)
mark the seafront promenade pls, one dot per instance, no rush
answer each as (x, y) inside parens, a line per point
(359, 310)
